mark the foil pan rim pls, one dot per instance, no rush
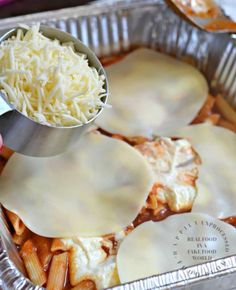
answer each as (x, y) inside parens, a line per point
(186, 276)
(84, 10)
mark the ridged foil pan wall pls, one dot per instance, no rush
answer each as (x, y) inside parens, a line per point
(112, 27)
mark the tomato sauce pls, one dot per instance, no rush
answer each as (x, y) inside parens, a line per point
(221, 25)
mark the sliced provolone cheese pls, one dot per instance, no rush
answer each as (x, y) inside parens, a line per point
(216, 184)
(152, 92)
(177, 242)
(96, 189)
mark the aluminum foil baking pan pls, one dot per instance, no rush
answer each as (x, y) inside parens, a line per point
(112, 27)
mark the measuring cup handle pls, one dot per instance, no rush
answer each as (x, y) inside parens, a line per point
(4, 105)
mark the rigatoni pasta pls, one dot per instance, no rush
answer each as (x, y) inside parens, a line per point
(205, 111)
(58, 271)
(20, 239)
(85, 285)
(225, 109)
(16, 222)
(57, 245)
(228, 125)
(43, 250)
(32, 263)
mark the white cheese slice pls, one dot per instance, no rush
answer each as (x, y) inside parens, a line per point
(96, 189)
(177, 242)
(152, 92)
(216, 183)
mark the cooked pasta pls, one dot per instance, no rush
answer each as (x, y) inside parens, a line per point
(57, 245)
(205, 111)
(228, 125)
(20, 239)
(225, 109)
(58, 271)
(32, 263)
(85, 285)
(43, 255)
(16, 222)
(43, 250)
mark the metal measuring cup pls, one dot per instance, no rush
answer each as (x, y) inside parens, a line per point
(29, 137)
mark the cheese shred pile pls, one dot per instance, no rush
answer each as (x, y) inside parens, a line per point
(47, 81)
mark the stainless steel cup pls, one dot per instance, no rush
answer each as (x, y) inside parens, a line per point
(28, 137)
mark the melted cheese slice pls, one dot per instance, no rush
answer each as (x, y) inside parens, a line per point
(216, 184)
(152, 92)
(89, 260)
(175, 167)
(96, 189)
(177, 242)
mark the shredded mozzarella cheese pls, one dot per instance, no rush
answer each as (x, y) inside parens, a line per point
(49, 82)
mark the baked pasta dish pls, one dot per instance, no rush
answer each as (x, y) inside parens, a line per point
(164, 147)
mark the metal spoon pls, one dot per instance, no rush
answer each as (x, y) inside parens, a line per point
(205, 14)
(28, 137)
